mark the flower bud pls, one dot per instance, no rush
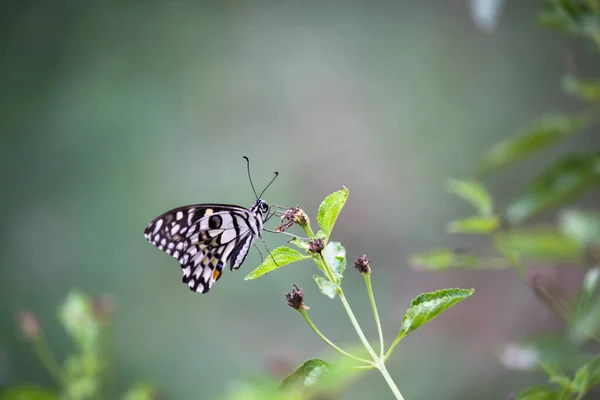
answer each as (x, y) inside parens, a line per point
(362, 264)
(295, 299)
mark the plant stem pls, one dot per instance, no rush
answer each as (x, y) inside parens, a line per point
(331, 344)
(48, 360)
(375, 313)
(389, 380)
(359, 331)
(393, 346)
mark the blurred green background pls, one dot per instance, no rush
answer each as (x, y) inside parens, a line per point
(114, 112)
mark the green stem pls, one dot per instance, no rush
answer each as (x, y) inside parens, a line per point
(359, 331)
(48, 360)
(375, 313)
(327, 269)
(331, 344)
(389, 381)
(393, 346)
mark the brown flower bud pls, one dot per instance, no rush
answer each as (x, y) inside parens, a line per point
(29, 325)
(316, 246)
(294, 215)
(362, 264)
(295, 299)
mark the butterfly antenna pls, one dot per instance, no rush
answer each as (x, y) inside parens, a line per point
(249, 176)
(272, 180)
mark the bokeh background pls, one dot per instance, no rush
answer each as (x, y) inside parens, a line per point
(114, 112)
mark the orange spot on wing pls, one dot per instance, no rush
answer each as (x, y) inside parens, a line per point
(216, 274)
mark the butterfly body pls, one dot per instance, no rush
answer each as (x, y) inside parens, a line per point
(205, 237)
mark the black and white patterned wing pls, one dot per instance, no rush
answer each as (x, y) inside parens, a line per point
(203, 238)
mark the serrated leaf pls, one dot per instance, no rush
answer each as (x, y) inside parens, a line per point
(564, 180)
(279, 257)
(536, 393)
(538, 244)
(330, 209)
(306, 375)
(584, 227)
(427, 306)
(326, 287)
(335, 255)
(586, 90)
(475, 224)
(543, 133)
(440, 259)
(473, 192)
(27, 393)
(78, 319)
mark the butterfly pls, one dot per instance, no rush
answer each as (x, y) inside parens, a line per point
(205, 237)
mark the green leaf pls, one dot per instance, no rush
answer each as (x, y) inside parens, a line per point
(561, 380)
(301, 244)
(586, 293)
(582, 89)
(563, 181)
(27, 393)
(326, 287)
(584, 227)
(282, 255)
(77, 317)
(142, 391)
(330, 209)
(306, 375)
(427, 306)
(587, 322)
(546, 131)
(581, 380)
(335, 255)
(594, 368)
(538, 244)
(536, 393)
(440, 259)
(476, 224)
(473, 192)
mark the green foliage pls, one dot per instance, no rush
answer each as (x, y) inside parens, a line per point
(279, 257)
(83, 374)
(306, 375)
(538, 244)
(574, 239)
(427, 306)
(335, 256)
(473, 192)
(27, 393)
(440, 259)
(561, 182)
(329, 210)
(543, 133)
(475, 224)
(326, 287)
(536, 393)
(582, 89)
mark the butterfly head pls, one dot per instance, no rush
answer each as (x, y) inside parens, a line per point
(260, 208)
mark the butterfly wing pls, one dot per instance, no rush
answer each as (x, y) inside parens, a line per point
(203, 238)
